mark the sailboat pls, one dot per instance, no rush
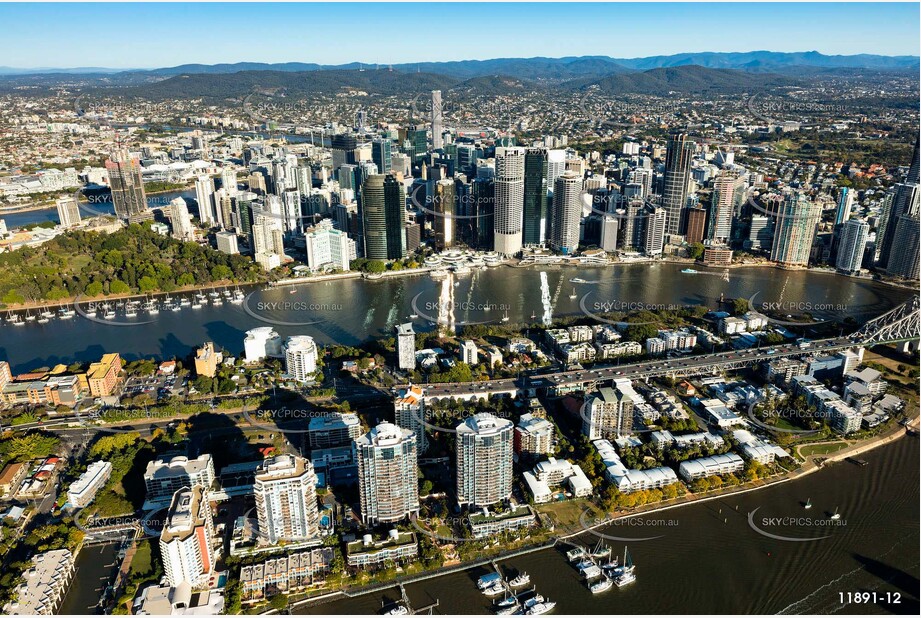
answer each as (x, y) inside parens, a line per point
(505, 317)
(624, 574)
(836, 515)
(808, 504)
(573, 295)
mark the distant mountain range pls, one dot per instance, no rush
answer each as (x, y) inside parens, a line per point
(539, 69)
(293, 85)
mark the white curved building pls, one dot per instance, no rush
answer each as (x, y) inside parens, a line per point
(301, 357)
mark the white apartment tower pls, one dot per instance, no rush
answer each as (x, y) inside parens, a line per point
(509, 203)
(286, 499)
(187, 540)
(301, 357)
(484, 460)
(387, 474)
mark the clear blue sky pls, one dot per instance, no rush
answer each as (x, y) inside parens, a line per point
(158, 35)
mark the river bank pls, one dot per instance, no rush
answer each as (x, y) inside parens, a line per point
(715, 541)
(806, 470)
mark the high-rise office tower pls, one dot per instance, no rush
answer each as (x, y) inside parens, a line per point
(726, 188)
(466, 158)
(641, 176)
(697, 225)
(556, 165)
(187, 540)
(760, 233)
(481, 209)
(675, 181)
(905, 201)
(437, 121)
(68, 211)
(388, 477)
(229, 181)
(418, 141)
(851, 246)
(845, 202)
(256, 183)
(301, 357)
(286, 499)
(567, 213)
(509, 191)
(127, 186)
(444, 204)
(914, 168)
(633, 222)
(903, 261)
(654, 233)
(382, 214)
(181, 220)
(534, 231)
(484, 460)
(794, 230)
(609, 232)
(381, 155)
(343, 146)
(204, 195)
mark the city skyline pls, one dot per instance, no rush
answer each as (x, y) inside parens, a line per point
(882, 28)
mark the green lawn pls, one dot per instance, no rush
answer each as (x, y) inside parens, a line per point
(821, 449)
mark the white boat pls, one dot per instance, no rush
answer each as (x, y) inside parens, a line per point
(185, 301)
(494, 589)
(573, 295)
(488, 580)
(176, 307)
(601, 585)
(152, 307)
(197, 304)
(808, 504)
(836, 515)
(509, 610)
(238, 297)
(217, 301)
(226, 293)
(523, 579)
(131, 310)
(601, 551)
(510, 600)
(109, 314)
(577, 280)
(505, 317)
(66, 314)
(43, 320)
(625, 579)
(577, 552)
(413, 316)
(537, 598)
(626, 567)
(30, 317)
(538, 609)
(15, 320)
(47, 314)
(588, 569)
(399, 610)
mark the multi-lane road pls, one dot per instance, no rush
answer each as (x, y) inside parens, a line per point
(677, 366)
